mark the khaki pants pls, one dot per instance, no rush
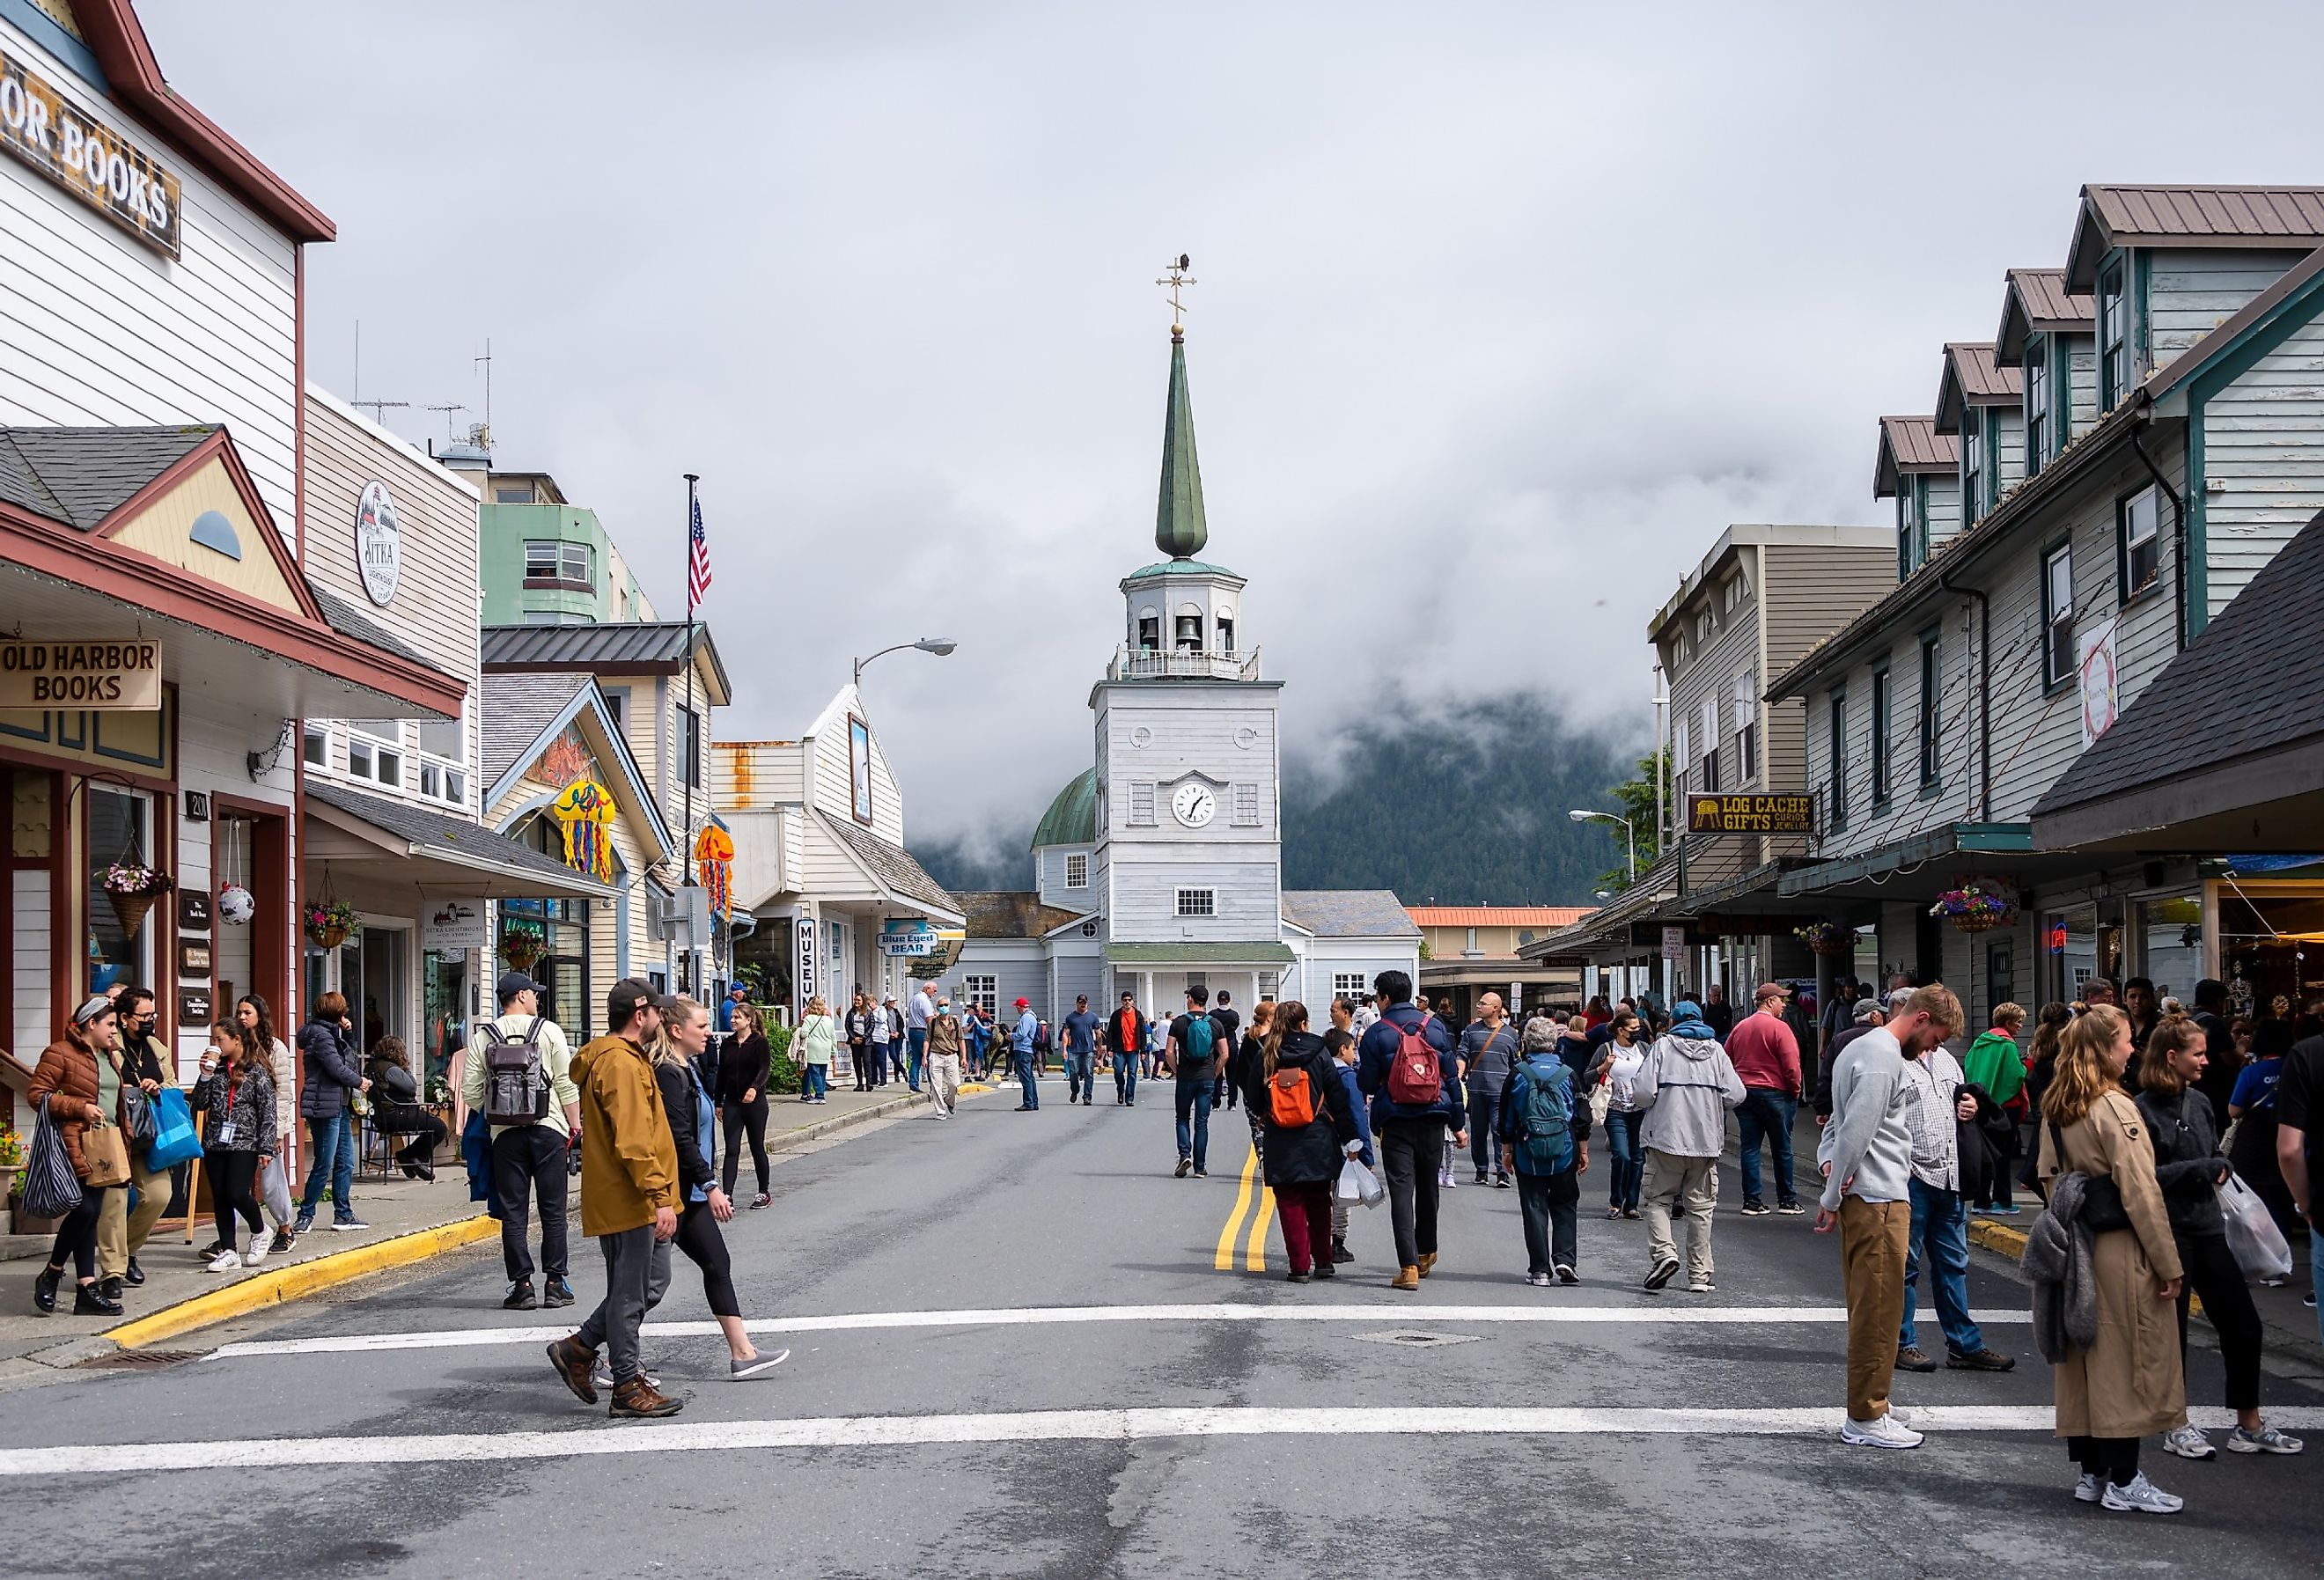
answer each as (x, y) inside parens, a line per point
(944, 1081)
(122, 1234)
(1872, 1243)
(1693, 1183)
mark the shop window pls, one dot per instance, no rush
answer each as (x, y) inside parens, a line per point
(983, 991)
(2171, 944)
(119, 930)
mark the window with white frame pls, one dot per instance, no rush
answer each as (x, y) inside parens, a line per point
(550, 559)
(1747, 727)
(375, 751)
(2136, 523)
(1245, 806)
(443, 772)
(2114, 337)
(1732, 594)
(1076, 870)
(1710, 745)
(315, 745)
(1972, 463)
(983, 991)
(2058, 657)
(1348, 985)
(1680, 755)
(1142, 805)
(2037, 404)
(1198, 903)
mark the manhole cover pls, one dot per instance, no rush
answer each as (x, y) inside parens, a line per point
(140, 1359)
(1417, 1339)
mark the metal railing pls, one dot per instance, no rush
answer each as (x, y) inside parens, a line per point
(1154, 664)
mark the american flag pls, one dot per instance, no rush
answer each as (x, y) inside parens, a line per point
(697, 561)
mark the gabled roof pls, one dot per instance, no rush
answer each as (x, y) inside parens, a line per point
(516, 713)
(1972, 377)
(1908, 446)
(501, 693)
(1012, 913)
(892, 865)
(347, 620)
(80, 475)
(2037, 303)
(1348, 913)
(2204, 702)
(462, 843)
(2189, 216)
(1072, 817)
(641, 647)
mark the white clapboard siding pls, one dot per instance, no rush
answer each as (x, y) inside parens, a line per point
(834, 785)
(1146, 881)
(2191, 293)
(2263, 452)
(35, 1010)
(748, 774)
(2009, 448)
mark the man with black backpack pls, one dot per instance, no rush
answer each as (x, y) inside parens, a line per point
(1545, 1136)
(518, 1075)
(1193, 1056)
(1406, 1064)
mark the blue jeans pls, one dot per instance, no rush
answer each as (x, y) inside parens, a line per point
(1193, 1099)
(1940, 1228)
(1768, 1113)
(1028, 1070)
(917, 1044)
(1080, 1078)
(1125, 1076)
(1629, 1170)
(333, 1142)
(816, 1078)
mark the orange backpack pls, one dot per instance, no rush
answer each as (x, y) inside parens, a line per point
(1291, 1098)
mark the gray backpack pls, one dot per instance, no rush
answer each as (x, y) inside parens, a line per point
(516, 1088)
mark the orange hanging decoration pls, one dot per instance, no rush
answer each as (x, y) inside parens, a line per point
(714, 865)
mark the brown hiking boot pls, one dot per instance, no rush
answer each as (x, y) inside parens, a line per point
(1407, 1278)
(639, 1399)
(1427, 1262)
(572, 1363)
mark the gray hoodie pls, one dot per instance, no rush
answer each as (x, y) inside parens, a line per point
(1686, 1086)
(1868, 1147)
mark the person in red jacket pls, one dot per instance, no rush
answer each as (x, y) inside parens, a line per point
(1766, 1056)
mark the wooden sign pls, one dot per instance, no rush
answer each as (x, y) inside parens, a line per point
(1750, 814)
(196, 1007)
(100, 676)
(92, 162)
(194, 958)
(193, 910)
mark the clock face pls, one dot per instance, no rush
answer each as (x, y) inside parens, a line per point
(1193, 805)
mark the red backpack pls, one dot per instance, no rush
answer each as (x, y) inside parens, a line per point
(1417, 1076)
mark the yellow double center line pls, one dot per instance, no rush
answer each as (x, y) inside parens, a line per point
(1254, 1248)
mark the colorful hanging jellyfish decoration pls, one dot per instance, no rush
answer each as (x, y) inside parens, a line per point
(586, 813)
(714, 868)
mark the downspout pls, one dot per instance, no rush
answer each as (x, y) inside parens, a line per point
(2178, 539)
(1984, 693)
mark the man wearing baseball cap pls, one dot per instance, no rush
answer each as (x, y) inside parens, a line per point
(1766, 1056)
(629, 1200)
(528, 1158)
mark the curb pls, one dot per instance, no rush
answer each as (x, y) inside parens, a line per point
(1998, 1238)
(301, 1280)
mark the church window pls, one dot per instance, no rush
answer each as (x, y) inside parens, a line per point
(1246, 805)
(1142, 805)
(1077, 872)
(1198, 903)
(1149, 630)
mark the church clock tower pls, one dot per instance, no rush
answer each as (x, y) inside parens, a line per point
(1188, 860)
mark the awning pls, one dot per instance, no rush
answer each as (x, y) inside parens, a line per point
(429, 850)
(1273, 953)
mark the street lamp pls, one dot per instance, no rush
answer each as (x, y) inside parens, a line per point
(941, 646)
(1581, 815)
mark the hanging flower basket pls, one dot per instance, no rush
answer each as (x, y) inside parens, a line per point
(135, 889)
(331, 922)
(1977, 906)
(520, 947)
(1827, 937)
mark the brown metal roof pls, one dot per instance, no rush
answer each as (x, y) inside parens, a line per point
(2037, 303)
(1972, 377)
(1911, 445)
(2212, 216)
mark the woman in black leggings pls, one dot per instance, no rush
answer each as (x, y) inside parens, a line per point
(745, 1065)
(685, 1033)
(236, 1098)
(72, 1081)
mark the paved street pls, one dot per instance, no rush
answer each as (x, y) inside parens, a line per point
(1014, 1353)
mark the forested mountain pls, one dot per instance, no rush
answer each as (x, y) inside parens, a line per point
(1463, 806)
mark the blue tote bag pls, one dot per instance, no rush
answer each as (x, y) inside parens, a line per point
(175, 1139)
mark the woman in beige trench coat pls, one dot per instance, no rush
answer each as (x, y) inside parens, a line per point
(2128, 1383)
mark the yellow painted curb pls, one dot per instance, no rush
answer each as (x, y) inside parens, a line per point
(974, 1089)
(1997, 1237)
(299, 1280)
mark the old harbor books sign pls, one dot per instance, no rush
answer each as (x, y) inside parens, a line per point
(105, 172)
(103, 676)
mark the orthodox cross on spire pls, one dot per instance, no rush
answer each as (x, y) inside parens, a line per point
(1175, 277)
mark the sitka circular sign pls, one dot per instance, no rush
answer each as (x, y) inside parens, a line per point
(379, 546)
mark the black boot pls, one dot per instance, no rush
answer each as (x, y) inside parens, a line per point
(110, 1288)
(1340, 1252)
(136, 1274)
(89, 1300)
(44, 1290)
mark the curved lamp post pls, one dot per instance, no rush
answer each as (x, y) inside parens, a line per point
(941, 646)
(1581, 814)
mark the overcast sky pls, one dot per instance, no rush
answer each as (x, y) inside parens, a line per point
(1504, 310)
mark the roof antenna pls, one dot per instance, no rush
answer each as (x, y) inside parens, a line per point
(482, 436)
(448, 408)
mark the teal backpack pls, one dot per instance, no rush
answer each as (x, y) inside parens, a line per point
(1546, 1119)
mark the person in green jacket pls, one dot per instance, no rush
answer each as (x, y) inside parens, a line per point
(1994, 1066)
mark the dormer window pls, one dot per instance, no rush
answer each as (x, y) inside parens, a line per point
(2114, 337)
(2037, 405)
(1972, 454)
(1912, 527)
(1702, 624)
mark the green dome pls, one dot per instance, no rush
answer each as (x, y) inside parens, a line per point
(1072, 817)
(1178, 567)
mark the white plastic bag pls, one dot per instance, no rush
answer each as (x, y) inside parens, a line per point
(1358, 1183)
(2260, 1247)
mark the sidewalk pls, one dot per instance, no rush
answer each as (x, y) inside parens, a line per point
(391, 1208)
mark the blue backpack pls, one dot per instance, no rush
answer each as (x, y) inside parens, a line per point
(1546, 1117)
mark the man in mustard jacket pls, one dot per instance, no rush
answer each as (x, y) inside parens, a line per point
(629, 1200)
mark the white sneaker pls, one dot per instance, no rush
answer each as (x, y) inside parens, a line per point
(2267, 1440)
(2086, 1490)
(2188, 1443)
(1887, 1432)
(225, 1261)
(254, 1255)
(2141, 1497)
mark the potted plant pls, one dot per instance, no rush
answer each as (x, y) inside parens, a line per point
(521, 945)
(331, 922)
(1827, 937)
(134, 888)
(1978, 905)
(12, 1163)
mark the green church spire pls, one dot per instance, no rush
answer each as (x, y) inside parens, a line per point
(1179, 530)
